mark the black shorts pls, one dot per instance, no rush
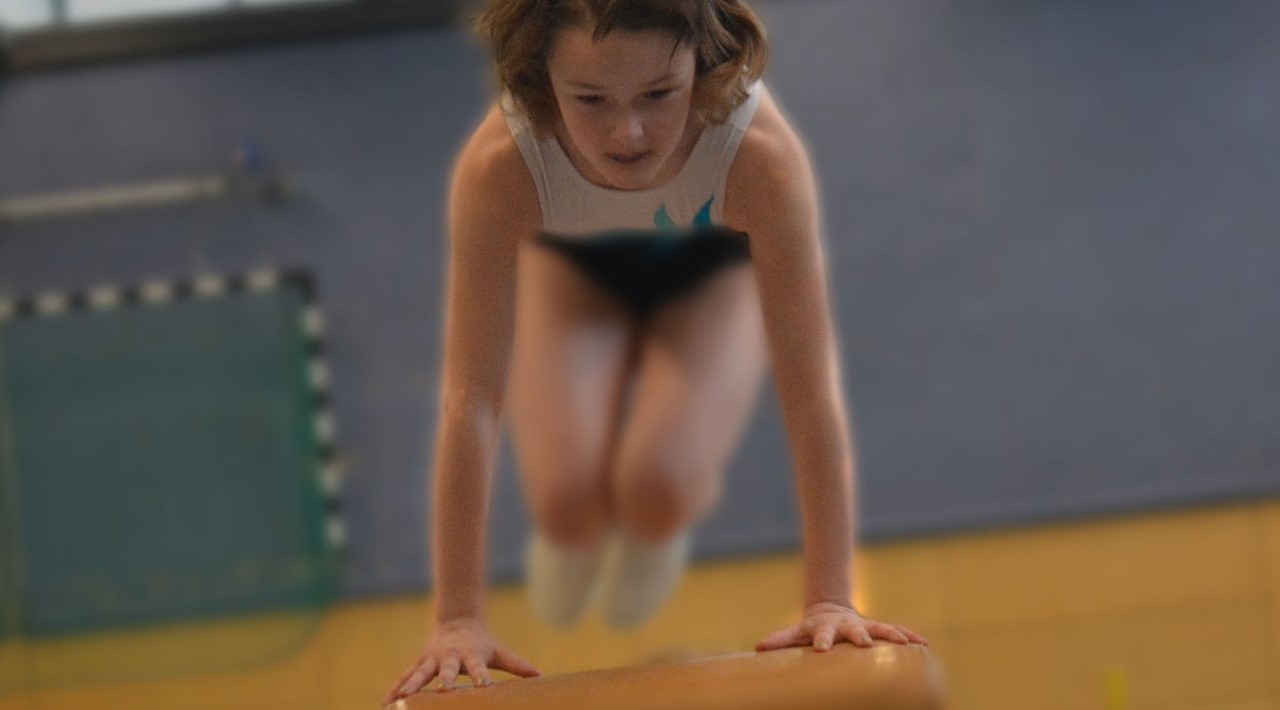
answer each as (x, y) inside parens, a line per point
(645, 270)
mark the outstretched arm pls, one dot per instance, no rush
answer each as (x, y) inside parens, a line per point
(773, 196)
(492, 204)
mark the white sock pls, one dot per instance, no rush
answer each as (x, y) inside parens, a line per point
(640, 576)
(560, 579)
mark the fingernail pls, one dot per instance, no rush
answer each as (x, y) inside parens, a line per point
(823, 645)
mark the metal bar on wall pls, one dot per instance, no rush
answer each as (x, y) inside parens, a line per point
(139, 195)
(108, 198)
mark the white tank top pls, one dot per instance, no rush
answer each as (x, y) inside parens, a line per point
(572, 206)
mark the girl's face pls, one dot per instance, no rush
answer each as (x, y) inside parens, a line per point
(625, 105)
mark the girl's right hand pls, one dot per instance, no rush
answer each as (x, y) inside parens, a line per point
(459, 646)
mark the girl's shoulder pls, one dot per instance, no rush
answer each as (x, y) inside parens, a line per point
(490, 161)
(771, 160)
(491, 150)
(491, 169)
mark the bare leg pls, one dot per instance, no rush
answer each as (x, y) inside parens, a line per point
(570, 363)
(698, 376)
(700, 367)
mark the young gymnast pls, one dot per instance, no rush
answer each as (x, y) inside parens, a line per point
(634, 233)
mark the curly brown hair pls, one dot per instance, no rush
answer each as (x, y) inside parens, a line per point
(726, 36)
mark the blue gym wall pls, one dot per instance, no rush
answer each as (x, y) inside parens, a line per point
(1052, 227)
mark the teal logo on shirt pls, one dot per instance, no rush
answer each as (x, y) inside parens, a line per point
(702, 219)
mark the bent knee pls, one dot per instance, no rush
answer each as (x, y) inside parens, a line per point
(657, 503)
(570, 512)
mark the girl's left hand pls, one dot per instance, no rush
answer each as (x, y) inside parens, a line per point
(826, 623)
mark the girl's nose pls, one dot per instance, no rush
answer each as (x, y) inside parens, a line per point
(627, 129)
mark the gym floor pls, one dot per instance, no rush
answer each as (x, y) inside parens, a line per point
(1168, 611)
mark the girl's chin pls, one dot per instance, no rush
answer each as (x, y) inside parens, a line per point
(629, 177)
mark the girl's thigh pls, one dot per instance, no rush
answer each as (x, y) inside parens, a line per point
(699, 368)
(571, 356)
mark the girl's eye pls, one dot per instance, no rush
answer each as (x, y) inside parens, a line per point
(591, 100)
(659, 94)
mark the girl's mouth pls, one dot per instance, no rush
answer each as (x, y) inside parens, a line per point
(628, 158)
